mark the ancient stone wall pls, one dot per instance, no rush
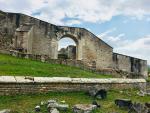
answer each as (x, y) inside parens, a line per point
(10, 85)
(71, 52)
(33, 36)
(7, 30)
(130, 64)
(42, 38)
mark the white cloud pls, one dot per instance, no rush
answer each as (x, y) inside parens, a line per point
(136, 8)
(63, 43)
(22, 6)
(114, 41)
(139, 48)
(55, 11)
(72, 22)
(102, 35)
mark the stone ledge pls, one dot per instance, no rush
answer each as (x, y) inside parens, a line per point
(24, 79)
(7, 79)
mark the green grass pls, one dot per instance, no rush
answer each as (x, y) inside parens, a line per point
(26, 103)
(24, 67)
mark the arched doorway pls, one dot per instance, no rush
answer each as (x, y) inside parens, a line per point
(67, 48)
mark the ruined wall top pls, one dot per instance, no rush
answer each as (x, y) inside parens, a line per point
(19, 19)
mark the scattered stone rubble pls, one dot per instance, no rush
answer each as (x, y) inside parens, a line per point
(84, 108)
(140, 108)
(143, 93)
(54, 110)
(52, 106)
(37, 108)
(55, 107)
(133, 107)
(126, 103)
(98, 93)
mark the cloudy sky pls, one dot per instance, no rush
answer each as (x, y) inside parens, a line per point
(124, 24)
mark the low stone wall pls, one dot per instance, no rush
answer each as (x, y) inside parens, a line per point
(11, 85)
(46, 58)
(4, 51)
(77, 63)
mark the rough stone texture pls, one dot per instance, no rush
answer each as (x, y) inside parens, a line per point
(20, 85)
(33, 36)
(130, 64)
(84, 108)
(69, 52)
(54, 110)
(37, 108)
(139, 108)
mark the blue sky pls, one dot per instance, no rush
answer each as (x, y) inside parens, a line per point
(124, 24)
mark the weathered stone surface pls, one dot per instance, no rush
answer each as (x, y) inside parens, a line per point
(98, 93)
(22, 79)
(83, 108)
(55, 104)
(37, 108)
(125, 103)
(139, 108)
(7, 79)
(52, 79)
(143, 93)
(63, 107)
(52, 105)
(51, 102)
(54, 110)
(9, 85)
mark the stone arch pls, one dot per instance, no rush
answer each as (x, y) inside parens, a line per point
(69, 36)
(75, 39)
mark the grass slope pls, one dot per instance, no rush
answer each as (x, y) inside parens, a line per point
(24, 67)
(26, 103)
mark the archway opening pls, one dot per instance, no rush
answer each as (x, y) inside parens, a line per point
(67, 48)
